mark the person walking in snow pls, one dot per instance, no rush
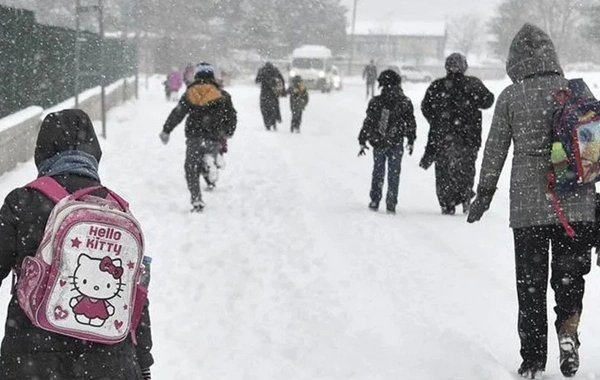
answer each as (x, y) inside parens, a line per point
(272, 85)
(67, 150)
(173, 83)
(452, 106)
(370, 75)
(211, 117)
(298, 102)
(390, 119)
(524, 117)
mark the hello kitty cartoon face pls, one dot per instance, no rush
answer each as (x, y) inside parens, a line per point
(98, 278)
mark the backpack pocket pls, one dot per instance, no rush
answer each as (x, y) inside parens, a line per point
(141, 294)
(33, 281)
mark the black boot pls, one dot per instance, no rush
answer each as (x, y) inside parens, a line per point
(374, 206)
(531, 370)
(448, 210)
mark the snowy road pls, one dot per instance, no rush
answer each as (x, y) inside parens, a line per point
(286, 275)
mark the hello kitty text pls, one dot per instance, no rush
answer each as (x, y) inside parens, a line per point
(99, 239)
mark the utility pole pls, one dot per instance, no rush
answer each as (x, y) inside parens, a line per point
(79, 10)
(77, 51)
(102, 67)
(137, 18)
(352, 38)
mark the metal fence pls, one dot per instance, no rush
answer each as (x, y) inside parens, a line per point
(37, 62)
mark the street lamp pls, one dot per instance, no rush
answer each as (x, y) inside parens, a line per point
(351, 58)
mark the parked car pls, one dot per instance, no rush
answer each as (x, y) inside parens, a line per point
(412, 73)
(337, 78)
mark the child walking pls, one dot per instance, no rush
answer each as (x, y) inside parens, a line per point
(390, 119)
(67, 154)
(298, 102)
(211, 118)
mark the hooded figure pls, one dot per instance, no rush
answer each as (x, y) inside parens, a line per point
(67, 149)
(390, 119)
(211, 118)
(272, 85)
(452, 106)
(523, 117)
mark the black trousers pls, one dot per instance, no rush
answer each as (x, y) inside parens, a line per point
(570, 261)
(296, 120)
(199, 155)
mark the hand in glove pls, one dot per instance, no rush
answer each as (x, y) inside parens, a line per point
(410, 147)
(164, 137)
(480, 205)
(362, 150)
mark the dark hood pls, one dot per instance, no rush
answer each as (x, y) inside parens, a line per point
(66, 130)
(531, 53)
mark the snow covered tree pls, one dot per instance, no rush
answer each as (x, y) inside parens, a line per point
(557, 17)
(464, 33)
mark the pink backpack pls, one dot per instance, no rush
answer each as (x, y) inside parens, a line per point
(83, 281)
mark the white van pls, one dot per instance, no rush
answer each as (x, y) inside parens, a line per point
(313, 63)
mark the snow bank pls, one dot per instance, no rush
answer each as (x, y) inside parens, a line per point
(33, 112)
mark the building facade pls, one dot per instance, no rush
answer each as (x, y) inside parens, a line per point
(408, 42)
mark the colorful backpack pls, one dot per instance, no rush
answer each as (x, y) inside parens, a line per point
(83, 281)
(575, 154)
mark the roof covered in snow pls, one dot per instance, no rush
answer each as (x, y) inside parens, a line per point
(400, 28)
(312, 51)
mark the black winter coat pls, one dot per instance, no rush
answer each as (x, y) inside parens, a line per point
(390, 118)
(452, 106)
(29, 353)
(211, 115)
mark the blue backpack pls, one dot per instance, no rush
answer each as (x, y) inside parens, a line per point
(575, 152)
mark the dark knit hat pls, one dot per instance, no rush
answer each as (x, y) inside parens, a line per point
(205, 71)
(456, 63)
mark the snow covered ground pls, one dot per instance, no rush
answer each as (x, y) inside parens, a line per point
(286, 275)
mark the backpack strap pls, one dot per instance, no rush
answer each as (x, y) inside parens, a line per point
(560, 213)
(49, 187)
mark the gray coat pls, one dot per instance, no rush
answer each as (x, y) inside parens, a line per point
(523, 116)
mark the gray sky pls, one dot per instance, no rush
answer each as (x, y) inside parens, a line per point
(437, 10)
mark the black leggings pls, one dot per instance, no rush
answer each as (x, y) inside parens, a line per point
(570, 261)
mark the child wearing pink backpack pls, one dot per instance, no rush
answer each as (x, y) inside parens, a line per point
(79, 308)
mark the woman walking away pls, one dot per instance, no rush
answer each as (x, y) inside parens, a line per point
(524, 117)
(272, 85)
(390, 118)
(67, 154)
